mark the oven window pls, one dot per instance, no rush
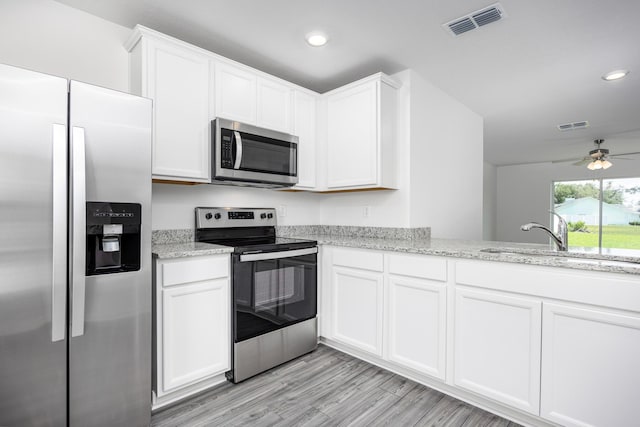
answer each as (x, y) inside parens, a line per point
(271, 294)
(276, 287)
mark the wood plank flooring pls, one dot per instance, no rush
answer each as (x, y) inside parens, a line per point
(325, 388)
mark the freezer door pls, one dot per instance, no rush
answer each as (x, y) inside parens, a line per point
(33, 242)
(110, 339)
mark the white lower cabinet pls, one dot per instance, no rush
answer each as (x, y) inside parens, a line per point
(416, 330)
(497, 347)
(590, 366)
(195, 324)
(541, 345)
(392, 306)
(192, 341)
(357, 308)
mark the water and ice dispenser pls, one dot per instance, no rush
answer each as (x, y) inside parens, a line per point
(113, 237)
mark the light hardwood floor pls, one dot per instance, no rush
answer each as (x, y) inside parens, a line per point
(325, 388)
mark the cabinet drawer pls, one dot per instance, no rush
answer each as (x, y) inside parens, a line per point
(361, 259)
(187, 270)
(418, 266)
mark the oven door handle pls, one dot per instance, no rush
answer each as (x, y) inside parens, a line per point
(277, 255)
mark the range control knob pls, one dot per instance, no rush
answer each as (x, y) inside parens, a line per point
(208, 216)
(270, 216)
(217, 216)
(263, 215)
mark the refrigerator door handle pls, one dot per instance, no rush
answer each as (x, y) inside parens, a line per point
(78, 229)
(59, 255)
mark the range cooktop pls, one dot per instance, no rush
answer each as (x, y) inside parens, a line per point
(246, 229)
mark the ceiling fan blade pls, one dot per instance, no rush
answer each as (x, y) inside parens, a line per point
(617, 156)
(567, 160)
(582, 162)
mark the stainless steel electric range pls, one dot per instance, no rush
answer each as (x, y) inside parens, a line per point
(274, 288)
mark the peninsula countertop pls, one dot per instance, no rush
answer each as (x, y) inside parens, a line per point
(613, 261)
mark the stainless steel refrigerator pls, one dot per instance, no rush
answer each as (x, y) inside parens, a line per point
(75, 253)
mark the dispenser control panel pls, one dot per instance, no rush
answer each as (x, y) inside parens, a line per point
(113, 237)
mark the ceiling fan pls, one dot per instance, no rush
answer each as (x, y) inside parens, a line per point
(598, 158)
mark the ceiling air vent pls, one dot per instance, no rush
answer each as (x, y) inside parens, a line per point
(476, 19)
(573, 126)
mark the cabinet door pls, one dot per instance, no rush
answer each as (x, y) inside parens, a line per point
(305, 128)
(590, 367)
(497, 347)
(357, 308)
(235, 93)
(274, 105)
(195, 332)
(352, 136)
(417, 324)
(179, 84)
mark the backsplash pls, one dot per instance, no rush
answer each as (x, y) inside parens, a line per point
(159, 237)
(355, 231)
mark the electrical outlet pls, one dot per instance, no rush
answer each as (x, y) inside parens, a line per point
(282, 211)
(366, 211)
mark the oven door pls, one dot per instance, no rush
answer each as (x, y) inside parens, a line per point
(273, 290)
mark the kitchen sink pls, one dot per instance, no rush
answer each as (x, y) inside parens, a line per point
(505, 251)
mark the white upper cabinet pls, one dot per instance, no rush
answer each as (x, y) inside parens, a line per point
(361, 132)
(236, 93)
(244, 95)
(304, 127)
(347, 137)
(274, 105)
(177, 78)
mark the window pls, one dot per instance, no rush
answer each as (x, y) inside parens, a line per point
(602, 213)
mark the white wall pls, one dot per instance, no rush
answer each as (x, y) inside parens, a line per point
(524, 194)
(446, 163)
(489, 202)
(173, 204)
(439, 165)
(46, 36)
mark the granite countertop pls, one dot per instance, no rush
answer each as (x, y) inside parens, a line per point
(620, 261)
(178, 243)
(187, 249)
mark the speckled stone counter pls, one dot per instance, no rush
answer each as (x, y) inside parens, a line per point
(624, 261)
(179, 243)
(187, 249)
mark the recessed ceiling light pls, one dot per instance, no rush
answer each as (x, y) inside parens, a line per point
(615, 75)
(316, 39)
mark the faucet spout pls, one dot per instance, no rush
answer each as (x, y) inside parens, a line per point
(560, 238)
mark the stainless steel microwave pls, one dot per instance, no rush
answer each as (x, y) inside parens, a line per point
(252, 156)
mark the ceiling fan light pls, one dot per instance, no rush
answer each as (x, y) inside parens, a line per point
(606, 164)
(595, 165)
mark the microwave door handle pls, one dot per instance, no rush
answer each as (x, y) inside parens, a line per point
(238, 138)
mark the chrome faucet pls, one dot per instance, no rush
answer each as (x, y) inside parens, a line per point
(560, 238)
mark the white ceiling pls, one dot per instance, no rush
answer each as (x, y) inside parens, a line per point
(539, 67)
